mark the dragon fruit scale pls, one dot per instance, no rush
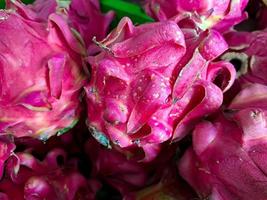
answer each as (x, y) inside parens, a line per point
(218, 14)
(41, 76)
(147, 88)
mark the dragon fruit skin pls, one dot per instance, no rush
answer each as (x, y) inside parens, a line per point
(45, 99)
(47, 179)
(220, 15)
(250, 112)
(219, 157)
(140, 96)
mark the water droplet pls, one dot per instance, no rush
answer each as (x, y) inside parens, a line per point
(254, 114)
(3, 16)
(43, 137)
(92, 90)
(162, 84)
(156, 95)
(116, 142)
(137, 142)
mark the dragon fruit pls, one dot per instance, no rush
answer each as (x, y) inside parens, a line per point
(83, 16)
(217, 14)
(229, 153)
(145, 88)
(115, 168)
(44, 99)
(53, 178)
(122, 170)
(220, 156)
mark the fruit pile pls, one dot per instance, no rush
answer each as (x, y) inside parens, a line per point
(171, 104)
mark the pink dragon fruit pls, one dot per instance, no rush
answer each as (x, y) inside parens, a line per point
(44, 99)
(83, 16)
(52, 178)
(122, 170)
(146, 88)
(230, 153)
(116, 169)
(220, 165)
(218, 14)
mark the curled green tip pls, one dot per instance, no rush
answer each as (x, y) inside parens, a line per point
(64, 130)
(100, 137)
